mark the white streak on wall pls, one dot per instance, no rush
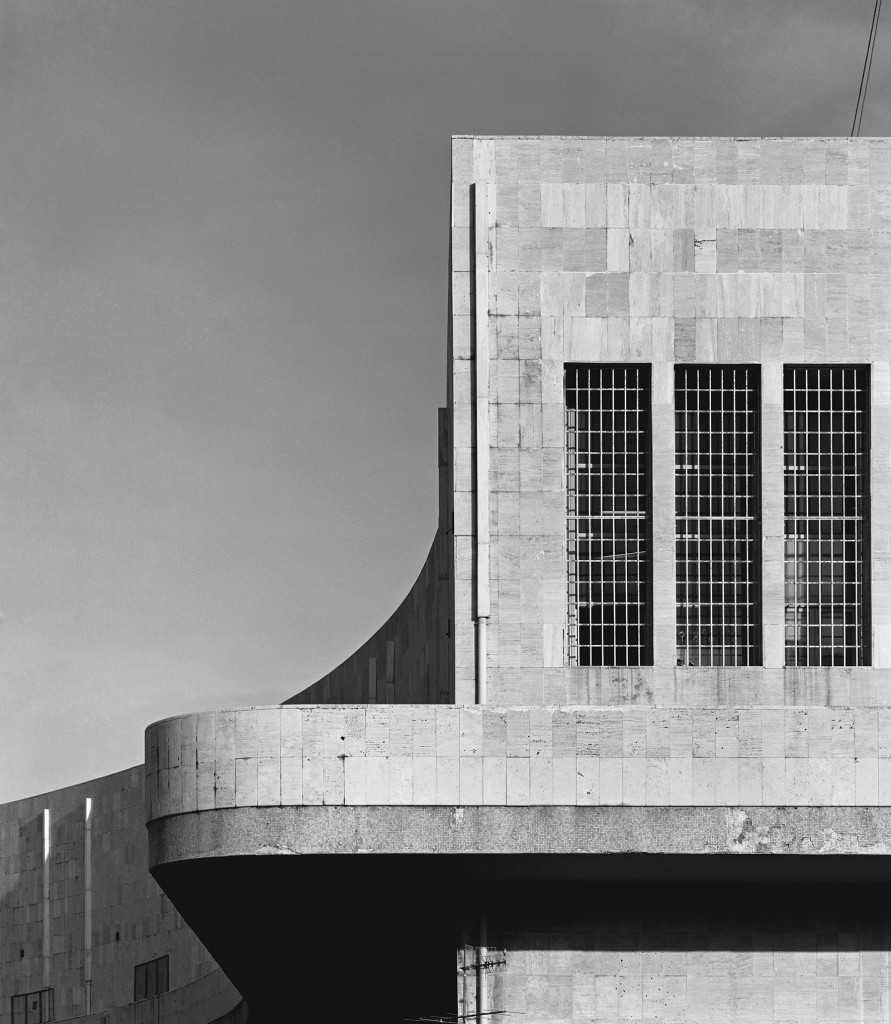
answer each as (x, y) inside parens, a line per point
(47, 943)
(88, 903)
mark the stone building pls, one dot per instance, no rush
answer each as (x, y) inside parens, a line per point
(624, 751)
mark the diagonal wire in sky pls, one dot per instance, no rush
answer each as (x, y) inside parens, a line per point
(867, 67)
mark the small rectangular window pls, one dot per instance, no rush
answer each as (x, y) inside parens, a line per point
(826, 495)
(151, 978)
(718, 515)
(33, 1007)
(609, 514)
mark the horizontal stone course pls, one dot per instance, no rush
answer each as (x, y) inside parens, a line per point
(516, 756)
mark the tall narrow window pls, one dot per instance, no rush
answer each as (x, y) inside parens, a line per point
(826, 485)
(609, 520)
(717, 515)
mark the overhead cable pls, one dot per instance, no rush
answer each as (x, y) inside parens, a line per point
(867, 67)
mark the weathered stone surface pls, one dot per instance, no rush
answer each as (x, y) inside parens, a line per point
(552, 831)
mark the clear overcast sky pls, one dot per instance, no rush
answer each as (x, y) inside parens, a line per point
(223, 260)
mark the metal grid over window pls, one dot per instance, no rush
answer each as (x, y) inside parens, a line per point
(717, 515)
(826, 487)
(609, 520)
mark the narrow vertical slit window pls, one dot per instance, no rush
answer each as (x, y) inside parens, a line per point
(717, 515)
(609, 514)
(826, 493)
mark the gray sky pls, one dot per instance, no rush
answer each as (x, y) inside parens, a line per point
(223, 260)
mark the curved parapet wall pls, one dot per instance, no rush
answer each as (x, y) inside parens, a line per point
(409, 659)
(448, 803)
(79, 911)
(514, 757)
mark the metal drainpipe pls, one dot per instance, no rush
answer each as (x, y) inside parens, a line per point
(481, 683)
(483, 225)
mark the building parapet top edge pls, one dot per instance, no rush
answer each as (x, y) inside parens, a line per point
(862, 139)
(83, 784)
(510, 708)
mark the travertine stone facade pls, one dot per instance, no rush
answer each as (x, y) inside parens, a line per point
(43, 932)
(415, 754)
(665, 251)
(537, 798)
(672, 960)
(589, 782)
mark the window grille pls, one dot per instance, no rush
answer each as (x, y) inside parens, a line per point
(609, 519)
(717, 515)
(826, 488)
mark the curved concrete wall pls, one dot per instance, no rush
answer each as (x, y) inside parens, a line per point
(45, 882)
(451, 755)
(409, 659)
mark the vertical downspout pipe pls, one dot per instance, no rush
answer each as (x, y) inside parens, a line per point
(483, 215)
(482, 622)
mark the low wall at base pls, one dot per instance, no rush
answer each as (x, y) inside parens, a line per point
(79, 911)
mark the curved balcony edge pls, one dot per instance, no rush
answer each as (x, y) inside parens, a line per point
(527, 834)
(513, 756)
